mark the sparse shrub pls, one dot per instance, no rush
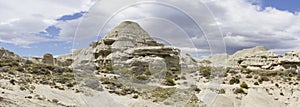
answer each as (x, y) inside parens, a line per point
(281, 94)
(289, 78)
(135, 96)
(228, 69)
(170, 82)
(260, 80)
(276, 85)
(269, 73)
(222, 91)
(205, 71)
(234, 81)
(247, 71)
(22, 88)
(298, 77)
(197, 89)
(263, 78)
(169, 74)
(256, 83)
(54, 100)
(142, 77)
(147, 72)
(244, 85)
(225, 74)
(70, 85)
(12, 81)
(160, 94)
(248, 76)
(239, 91)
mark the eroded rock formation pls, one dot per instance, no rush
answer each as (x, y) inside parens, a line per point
(259, 58)
(128, 45)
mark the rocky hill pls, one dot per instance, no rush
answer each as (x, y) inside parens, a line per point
(128, 45)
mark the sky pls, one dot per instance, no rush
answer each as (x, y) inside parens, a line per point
(200, 27)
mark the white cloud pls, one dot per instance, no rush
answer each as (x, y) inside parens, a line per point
(248, 24)
(251, 26)
(20, 20)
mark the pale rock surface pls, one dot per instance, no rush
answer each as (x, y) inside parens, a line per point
(7, 53)
(256, 58)
(188, 63)
(127, 41)
(48, 59)
(217, 60)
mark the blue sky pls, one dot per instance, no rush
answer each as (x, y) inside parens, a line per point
(51, 29)
(286, 5)
(53, 47)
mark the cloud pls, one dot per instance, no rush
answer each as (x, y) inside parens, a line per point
(244, 23)
(167, 21)
(21, 22)
(249, 25)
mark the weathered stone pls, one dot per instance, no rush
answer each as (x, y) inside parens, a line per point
(48, 59)
(7, 53)
(127, 43)
(259, 58)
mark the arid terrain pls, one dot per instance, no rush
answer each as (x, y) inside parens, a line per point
(128, 68)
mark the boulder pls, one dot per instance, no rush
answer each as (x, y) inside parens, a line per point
(48, 59)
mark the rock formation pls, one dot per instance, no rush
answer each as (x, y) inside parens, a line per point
(259, 58)
(49, 81)
(128, 45)
(48, 59)
(7, 53)
(188, 63)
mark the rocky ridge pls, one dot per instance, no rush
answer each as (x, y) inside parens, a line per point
(258, 58)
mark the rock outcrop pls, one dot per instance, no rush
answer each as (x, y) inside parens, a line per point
(188, 63)
(290, 60)
(127, 44)
(63, 61)
(253, 58)
(48, 59)
(258, 58)
(7, 53)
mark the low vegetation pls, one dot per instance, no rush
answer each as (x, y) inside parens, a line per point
(244, 85)
(169, 82)
(222, 91)
(158, 94)
(234, 80)
(239, 91)
(205, 71)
